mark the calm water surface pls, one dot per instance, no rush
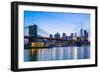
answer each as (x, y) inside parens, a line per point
(56, 53)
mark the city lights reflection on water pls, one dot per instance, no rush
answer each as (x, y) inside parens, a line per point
(56, 53)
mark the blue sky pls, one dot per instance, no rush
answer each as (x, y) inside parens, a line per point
(53, 22)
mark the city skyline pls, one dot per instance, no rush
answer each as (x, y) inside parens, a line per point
(49, 21)
(61, 34)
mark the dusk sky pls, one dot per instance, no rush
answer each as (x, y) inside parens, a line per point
(53, 22)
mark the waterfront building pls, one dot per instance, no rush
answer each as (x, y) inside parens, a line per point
(75, 37)
(67, 37)
(81, 33)
(51, 36)
(71, 36)
(63, 35)
(85, 35)
(57, 35)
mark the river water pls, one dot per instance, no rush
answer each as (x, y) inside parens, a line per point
(57, 53)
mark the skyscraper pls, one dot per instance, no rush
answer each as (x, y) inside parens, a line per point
(71, 36)
(81, 33)
(51, 36)
(75, 37)
(85, 35)
(63, 35)
(57, 35)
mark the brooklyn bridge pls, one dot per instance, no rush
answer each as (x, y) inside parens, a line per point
(37, 37)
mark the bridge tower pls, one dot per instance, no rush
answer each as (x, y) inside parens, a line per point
(33, 33)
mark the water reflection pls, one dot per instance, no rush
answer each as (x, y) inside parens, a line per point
(57, 53)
